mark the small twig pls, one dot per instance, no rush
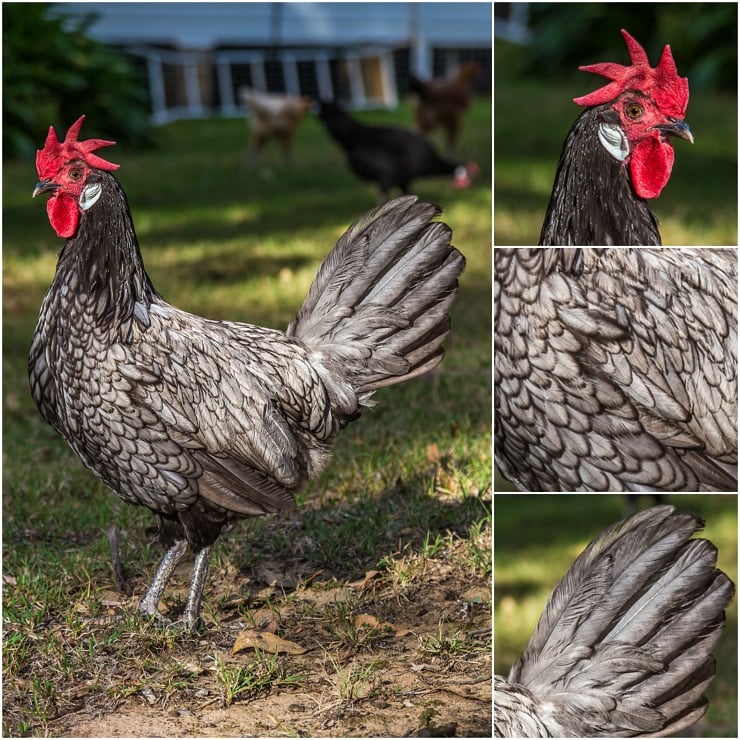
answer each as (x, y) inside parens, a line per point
(208, 703)
(115, 552)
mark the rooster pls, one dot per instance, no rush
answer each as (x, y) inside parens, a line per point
(617, 154)
(616, 369)
(623, 646)
(441, 103)
(273, 116)
(204, 421)
(391, 157)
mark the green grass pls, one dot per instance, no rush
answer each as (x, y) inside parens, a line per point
(259, 675)
(229, 239)
(532, 118)
(537, 537)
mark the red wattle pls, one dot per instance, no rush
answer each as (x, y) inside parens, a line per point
(64, 215)
(651, 163)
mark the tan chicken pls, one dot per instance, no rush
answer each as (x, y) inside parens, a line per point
(273, 116)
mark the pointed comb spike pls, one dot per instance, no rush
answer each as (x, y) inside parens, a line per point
(74, 131)
(56, 153)
(638, 55)
(51, 138)
(668, 90)
(667, 65)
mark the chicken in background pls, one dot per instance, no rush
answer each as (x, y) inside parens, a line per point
(442, 102)
(273, 116)
(391, 157)
(624, 644)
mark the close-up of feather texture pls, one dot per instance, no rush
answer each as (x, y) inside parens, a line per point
(615, 369)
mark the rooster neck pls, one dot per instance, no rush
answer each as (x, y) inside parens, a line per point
(593, 201)
(101, 265)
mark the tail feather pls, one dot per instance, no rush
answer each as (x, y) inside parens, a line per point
(379, 303)
(624, 644)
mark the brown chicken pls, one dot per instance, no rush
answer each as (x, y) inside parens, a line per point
(273, 116)
(441, 103)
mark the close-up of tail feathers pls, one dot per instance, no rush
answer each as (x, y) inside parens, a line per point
(391, 278)
(624, 645)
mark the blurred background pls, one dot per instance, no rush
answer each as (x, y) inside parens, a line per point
(538, 49)
(134, 64)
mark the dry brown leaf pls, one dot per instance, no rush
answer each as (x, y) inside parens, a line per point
(366, 582)
(273, 575)
(477, 594)
(267, 641)
(368, 620)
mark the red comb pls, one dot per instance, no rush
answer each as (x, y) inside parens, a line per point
(663, 84)
(55, 153)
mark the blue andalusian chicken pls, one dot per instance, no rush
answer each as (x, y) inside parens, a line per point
(207, 421)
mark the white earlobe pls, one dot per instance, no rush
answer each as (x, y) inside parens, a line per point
(612, 138)
(90, 194)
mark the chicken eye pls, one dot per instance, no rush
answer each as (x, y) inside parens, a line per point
(75, 173)
(633, 111)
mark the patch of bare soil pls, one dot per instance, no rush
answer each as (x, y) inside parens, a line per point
(404, 652)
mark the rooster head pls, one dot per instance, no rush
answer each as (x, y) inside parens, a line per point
(644, 106)
(64, 168)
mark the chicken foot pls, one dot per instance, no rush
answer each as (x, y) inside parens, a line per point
(149, 605)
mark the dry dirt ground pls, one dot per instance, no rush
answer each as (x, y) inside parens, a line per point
(403, 651)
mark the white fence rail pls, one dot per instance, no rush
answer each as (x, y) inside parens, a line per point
(186, 84)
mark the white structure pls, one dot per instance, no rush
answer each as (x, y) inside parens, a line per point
(198, 55)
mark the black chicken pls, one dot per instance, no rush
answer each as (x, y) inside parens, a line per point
(623, 646)
(390, 157)
(617, 154)
(206, 421)
(616, 369)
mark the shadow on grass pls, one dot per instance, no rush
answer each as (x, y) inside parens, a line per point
(341, 539)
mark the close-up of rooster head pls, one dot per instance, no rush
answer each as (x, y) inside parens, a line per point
(639, 110)
(618, 153)
(65, 169)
